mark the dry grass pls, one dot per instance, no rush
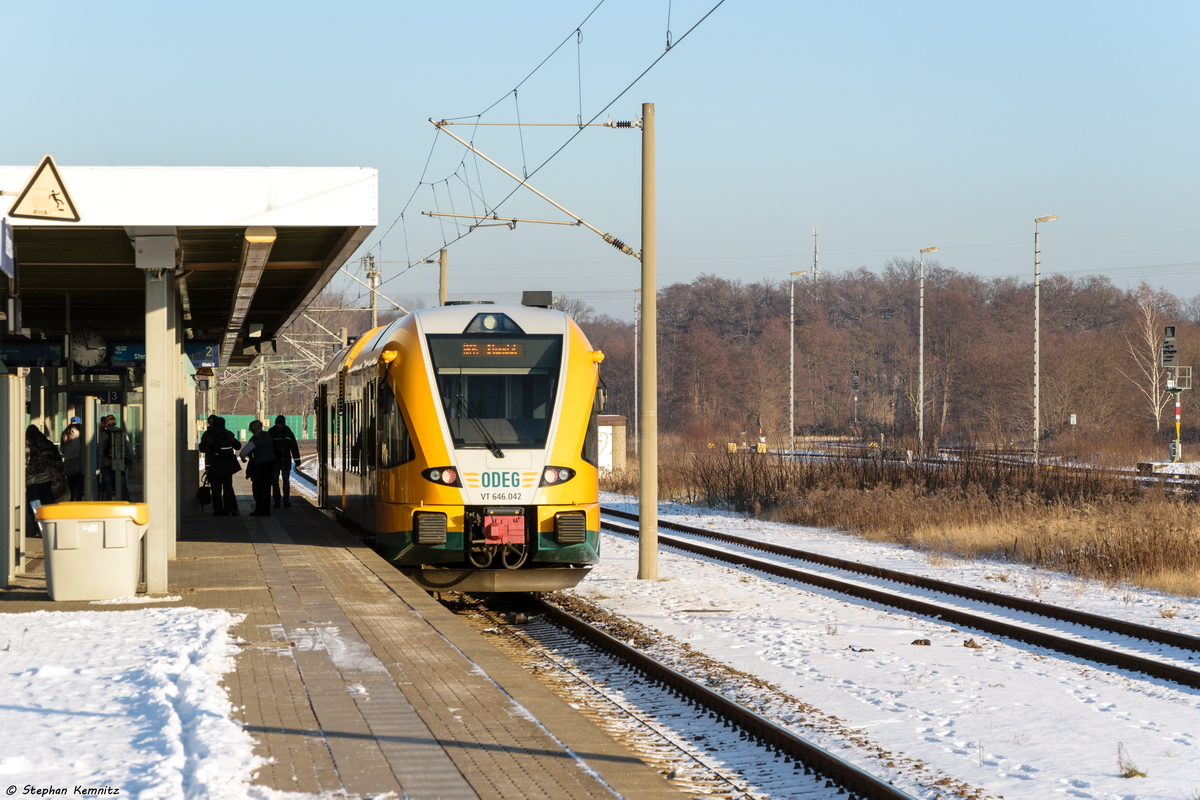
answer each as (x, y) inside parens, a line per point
(1082, 522)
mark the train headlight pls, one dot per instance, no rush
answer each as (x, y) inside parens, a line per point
(446, 476)
(553, 476)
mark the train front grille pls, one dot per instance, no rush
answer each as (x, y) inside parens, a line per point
(430, 528)
(570, 527)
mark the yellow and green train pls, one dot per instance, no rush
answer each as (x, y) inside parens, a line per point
(463, 439)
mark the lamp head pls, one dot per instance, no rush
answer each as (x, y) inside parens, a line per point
(1045, 219)
(800, 272)
(929, 249)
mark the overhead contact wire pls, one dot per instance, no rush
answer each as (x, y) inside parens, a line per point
(572, 137)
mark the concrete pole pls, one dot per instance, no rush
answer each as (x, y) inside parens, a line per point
(91, 421)
(921, 361)
(1037, 335)
(373, 278)
(792, 362)
(12, 480)
(1037, 343)
(180, 407)
(260, 410)
(648, 413)
(637, 315)
(37, 398)
(921, 370)
(155, 255)
(442, 277)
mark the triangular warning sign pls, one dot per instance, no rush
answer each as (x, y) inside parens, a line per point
(45, 196)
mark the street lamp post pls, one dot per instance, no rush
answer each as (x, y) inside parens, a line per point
(792, 368)
(921, 362)
(1037, 334)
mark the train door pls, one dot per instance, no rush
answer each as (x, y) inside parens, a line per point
(370, 455)
(342, 435)
(322, 425)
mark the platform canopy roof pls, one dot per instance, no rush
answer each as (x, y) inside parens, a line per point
(304, 221)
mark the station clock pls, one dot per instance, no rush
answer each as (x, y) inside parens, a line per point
(88, 348)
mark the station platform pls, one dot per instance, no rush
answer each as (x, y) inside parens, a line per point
(353, 679)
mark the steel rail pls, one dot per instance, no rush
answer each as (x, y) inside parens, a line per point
(1131, 629)
(813, 758)
(1090, 652)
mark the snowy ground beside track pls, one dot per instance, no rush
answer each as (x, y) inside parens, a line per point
(1014, 722)
(131, 699)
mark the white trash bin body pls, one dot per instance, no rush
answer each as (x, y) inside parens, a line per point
(93, 550)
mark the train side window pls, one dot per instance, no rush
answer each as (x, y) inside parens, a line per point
(335, 433)
(354, 435)
(395, 445)
(370, 410)
(591, 439)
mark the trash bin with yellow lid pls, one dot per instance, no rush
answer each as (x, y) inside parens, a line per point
(93, 549)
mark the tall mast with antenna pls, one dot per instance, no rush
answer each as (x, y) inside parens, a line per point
(816, 267)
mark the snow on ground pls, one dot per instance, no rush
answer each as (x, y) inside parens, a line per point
(122, 700)
(131, 700)
(1016, 723)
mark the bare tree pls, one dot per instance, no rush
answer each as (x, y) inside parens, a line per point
(574, 308)
(1142, 344)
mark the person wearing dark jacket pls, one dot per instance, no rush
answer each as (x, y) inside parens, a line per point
(220, 448)
(41, 460)
(260, 453)
(116, 459)
(71, 443)
(286, 452)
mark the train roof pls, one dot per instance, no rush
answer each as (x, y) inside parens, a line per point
(450, 319)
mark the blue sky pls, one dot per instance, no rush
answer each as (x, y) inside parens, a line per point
(894, 126)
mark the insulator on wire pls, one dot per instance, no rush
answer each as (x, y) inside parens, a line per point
(624, 248)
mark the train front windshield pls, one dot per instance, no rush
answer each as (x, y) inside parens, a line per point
(497, 391)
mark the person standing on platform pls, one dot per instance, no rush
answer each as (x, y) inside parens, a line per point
(116, 459)
(104, 488)
(41, 459)
(286, 452)
(220, 448)
(71, 443)
(260, 452)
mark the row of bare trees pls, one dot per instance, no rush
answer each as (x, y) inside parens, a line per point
(724, 356)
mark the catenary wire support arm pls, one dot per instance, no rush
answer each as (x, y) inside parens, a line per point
(352, 276)
(608, 237)
(336, 337)
(312, 358)
(506, 222)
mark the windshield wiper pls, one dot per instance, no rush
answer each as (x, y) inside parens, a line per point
(487, 437)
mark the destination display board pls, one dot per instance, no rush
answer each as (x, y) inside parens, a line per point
(133, 354)
(22, 353)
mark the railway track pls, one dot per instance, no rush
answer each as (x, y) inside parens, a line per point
(707, 743)
(1141, 649)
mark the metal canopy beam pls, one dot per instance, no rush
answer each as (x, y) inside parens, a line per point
(256, 249)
